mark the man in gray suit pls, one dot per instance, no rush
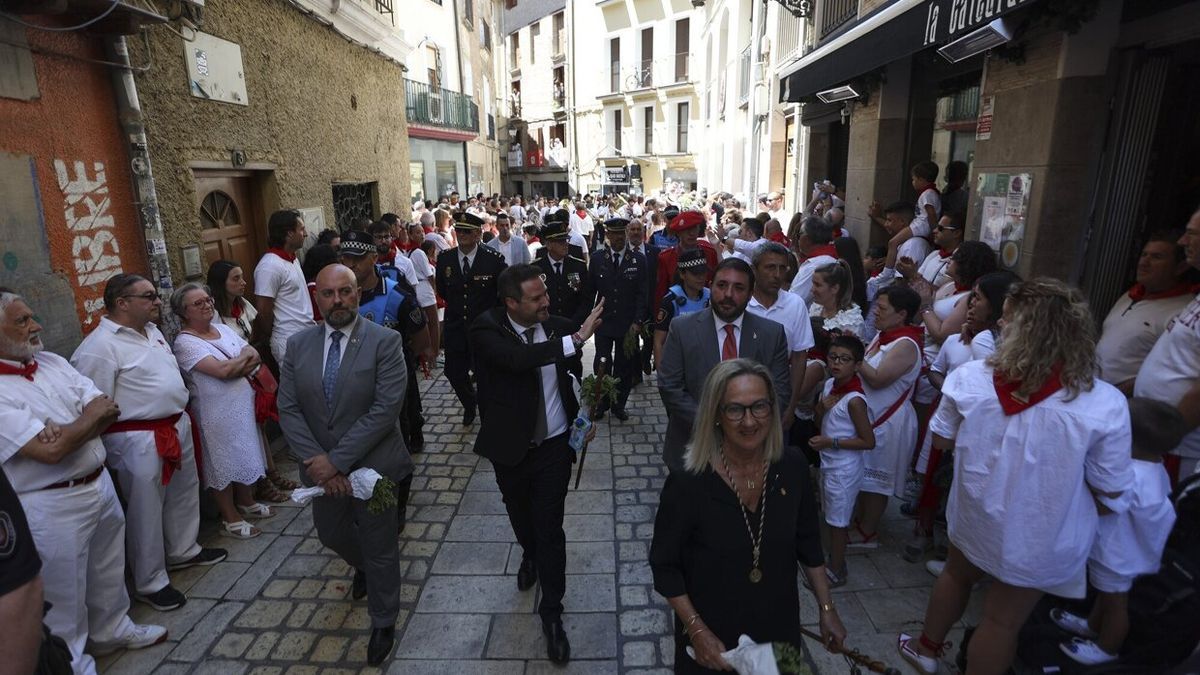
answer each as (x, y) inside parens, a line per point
(341, 388)
(513, 248)
(697, 342)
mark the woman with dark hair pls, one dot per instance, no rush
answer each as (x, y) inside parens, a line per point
(1040, 444)
(889, 373)
(317, 258)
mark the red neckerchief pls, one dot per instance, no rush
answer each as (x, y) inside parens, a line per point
(876, 273)
(779, 238)
(26, 371)
(582, 213)
(282, 254)
(893, 334)
(853, 384)
(944, 253)
(408, 246)
(959, 288)
(824, 249)
(1006, 391)
(837, 232)
(535, 240)
(235, 308)
(1138, 292)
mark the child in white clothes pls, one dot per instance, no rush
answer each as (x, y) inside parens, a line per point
(845, 433)
(1127, 544)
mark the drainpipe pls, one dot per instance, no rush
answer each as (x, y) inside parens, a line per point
(569, 27)
(129, 113)
(464, 189)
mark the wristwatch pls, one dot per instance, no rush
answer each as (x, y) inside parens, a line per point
(577, 340)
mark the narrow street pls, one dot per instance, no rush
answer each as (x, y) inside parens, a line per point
(280, 603)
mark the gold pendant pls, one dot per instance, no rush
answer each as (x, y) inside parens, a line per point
(750, 484)
(755, 575)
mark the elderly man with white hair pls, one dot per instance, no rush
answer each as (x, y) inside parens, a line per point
(51, 418)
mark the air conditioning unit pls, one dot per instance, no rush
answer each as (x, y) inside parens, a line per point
(977, 41)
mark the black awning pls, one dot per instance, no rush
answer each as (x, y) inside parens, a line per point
(816, 113)
(929, 24)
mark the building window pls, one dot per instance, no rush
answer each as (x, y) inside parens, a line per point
(560, 34)
(683, 45)
(614, 61)
(560, 91)
(352, 203)
(648, 130)
(681, 128)
(416, 179)
(514, 107)
(469, 10)
(646, 66)
(447, 177)
(485, 35)
(534, 31)
(491, 127)
(616, 130)
(509, 4)
(514, 50)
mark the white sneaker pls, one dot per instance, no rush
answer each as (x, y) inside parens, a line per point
(1086, 652)
(935, 567)
(1072, 623)
(908, 651)
(142, 635)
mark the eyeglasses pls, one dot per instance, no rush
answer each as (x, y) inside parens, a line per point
(202, 303)
(149, 296)
(734, 412)
(835, 358)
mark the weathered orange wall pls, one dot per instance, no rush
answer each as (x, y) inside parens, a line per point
(75, 120)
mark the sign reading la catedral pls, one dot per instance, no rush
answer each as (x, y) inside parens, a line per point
(947, 19)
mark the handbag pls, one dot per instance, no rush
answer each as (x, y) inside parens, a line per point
(264, 384)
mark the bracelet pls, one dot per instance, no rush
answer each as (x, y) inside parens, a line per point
(827, 607)
(692, 636)
(691, 620)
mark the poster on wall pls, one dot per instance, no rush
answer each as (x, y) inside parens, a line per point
(1003, 213)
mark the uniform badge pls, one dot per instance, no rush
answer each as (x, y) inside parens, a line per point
(573, 280)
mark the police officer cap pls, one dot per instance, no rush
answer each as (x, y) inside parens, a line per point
(616, 224)
(554, 232)
(559, 216)
(692, 260)
(357, 243)
(468, 221)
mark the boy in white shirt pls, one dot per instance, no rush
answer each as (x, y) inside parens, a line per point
(929, 209)
(1127, 544)
(845, 433)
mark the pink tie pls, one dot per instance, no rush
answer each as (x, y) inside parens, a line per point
(729, 347)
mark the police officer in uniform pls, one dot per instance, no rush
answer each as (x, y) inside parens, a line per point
(619, 277)
(567, 281)
(466, 280)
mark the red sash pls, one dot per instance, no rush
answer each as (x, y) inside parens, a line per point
(916, 335)
(166, 440)
(26, 371)
(1012, 404)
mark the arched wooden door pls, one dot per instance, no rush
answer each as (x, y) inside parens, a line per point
(228, 220)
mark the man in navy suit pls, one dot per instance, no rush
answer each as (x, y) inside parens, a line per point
(635, 237)
(619, 277)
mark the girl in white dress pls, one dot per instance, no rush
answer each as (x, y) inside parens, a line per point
(889, 373)
(215, 363)
(1038, 441)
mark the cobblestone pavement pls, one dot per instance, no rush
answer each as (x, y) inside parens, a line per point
(280, 603)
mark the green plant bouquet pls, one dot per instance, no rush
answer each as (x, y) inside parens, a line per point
(366, 484)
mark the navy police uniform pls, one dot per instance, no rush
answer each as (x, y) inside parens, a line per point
(619, 277)
(567, 281)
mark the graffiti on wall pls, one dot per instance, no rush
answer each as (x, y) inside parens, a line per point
(94, 246)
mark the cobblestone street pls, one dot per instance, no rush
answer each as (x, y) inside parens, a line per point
(280, 603)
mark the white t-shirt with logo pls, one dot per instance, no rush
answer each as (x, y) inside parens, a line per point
(277, 278)
(1173, 367)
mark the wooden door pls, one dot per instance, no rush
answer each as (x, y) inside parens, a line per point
(228, 220)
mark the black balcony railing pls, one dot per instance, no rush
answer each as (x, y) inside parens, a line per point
(835, 13)
(440, 107)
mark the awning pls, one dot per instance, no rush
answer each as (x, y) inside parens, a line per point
(818, 113)
(902, 28)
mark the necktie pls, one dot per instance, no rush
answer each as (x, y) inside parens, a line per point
(558, 269)
(539, 428)
(466, 266)
(616, 260)
(729, 347)
(332, 363)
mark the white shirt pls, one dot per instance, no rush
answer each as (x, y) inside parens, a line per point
(954, 353)
(933, 268)
(1020, 508)
(556, 415)
(583, 226)
(837, 423)
(517, 213)
(782, 215)
(920, 225)
(277, 278)
(1129, 333)
(438, 240)
(746, 249)
(1173, 367)
(914, 249)
(788, 311)
(424, 288)
(849, 320)
(505, 248)
(346, 332)
(58, 393)
(737, 332)
(802, 284)
(577, 239)
(467, 258)
(1132, 543)
(138, 371)
(407, 269)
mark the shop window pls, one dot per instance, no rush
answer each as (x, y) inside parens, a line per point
(416, 179)
(447, 177)
(352, 203)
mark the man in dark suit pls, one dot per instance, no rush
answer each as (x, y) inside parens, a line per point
(522, 357)
(567, 281)
(466, 280)
(697, 342)
(619, 277)
(341, 389)
(635, 236)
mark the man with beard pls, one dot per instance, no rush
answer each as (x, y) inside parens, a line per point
(51, 418)
(697, 342)
(341, 417)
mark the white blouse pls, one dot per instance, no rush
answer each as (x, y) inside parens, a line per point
(849, 320)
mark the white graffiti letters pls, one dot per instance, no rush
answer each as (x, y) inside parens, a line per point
(86, 209)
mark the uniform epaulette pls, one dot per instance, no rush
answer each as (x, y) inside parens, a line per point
(490, 250)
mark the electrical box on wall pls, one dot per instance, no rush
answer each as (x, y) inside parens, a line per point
(215, 69)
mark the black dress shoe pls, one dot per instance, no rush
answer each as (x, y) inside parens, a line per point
(526, 575)
(621, 415)
(468, 417)
(358, 589)
(418, 443)
(558, 647)
(382, 641)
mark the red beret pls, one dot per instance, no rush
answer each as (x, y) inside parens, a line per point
(686, 220)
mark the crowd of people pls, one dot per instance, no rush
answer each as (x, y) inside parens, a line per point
(800, 377)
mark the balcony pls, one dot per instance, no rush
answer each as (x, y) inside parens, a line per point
(744, 76)
(436, 107)
(833, 14)
(558, 47)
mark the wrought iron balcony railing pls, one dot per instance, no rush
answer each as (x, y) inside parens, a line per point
(440, 107)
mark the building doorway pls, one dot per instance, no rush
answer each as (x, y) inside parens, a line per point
(230, 220)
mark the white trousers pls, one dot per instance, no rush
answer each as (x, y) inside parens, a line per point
(80, 532)
(161, 521)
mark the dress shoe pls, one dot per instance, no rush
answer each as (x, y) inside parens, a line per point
(358, 589)
(418, 443)
(621, 415)
(558, 648)
(468, 417)
(380, 645)
(526, 575)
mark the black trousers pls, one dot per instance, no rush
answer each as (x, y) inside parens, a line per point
(458, 373)
(411, 419)
(535, 494)
(620, 366)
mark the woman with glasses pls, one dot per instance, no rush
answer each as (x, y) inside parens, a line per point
(215, 363)
(1040, 444)
(735, 527)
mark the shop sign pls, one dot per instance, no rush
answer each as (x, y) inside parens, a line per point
(949, 19)
(618, 175)
(983, 126)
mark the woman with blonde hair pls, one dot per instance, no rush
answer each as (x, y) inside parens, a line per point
(735, 527)
(1039, 445)
(833, 299)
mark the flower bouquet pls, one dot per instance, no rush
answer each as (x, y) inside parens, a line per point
(367, 484)
(752, 658)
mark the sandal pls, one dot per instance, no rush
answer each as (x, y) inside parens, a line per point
(856, 538)
(239, 530)
(256, 511)
(265, 490)
(280, 482)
